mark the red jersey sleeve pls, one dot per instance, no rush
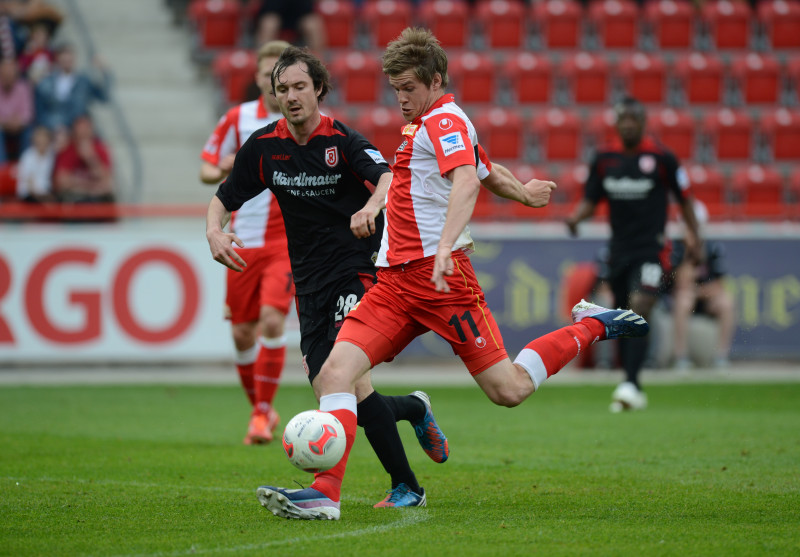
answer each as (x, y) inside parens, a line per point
(451, 142)
(222, 139)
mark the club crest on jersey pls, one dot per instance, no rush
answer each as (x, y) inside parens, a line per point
(331, 156)
(410, 129)
(647, 163)
(445, 124)
(451, 143)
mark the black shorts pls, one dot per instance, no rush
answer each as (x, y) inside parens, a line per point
(290, 11)
(640, 274)
(321, 315)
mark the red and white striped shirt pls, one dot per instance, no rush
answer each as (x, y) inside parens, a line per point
(416, 204)
(259, 222)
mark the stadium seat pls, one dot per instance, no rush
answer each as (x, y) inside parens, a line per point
(502, 21)
(448, 19)
(359, 77)
(501, 133)
(780, 129)
(338, 17)
(729, 133)
(675, 129)
(8, 180)
(570, 180)
(780, 20)
(757, 77)
(557, 134)
(728, 23)
(235, 70)
(558, 22)
(616, 23)
(699, 78)
(708, 185)
(644, 76)
(217, 22)
(600, 128)
(586, 77)
(672, 23)
(530, 77)
(473, 77)
(384, 20)
(793, 194)
(382, 125)
(759, 191)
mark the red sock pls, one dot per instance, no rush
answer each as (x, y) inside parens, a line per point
(246, 378)
(330, 482)
(558, 348)
(267, 374)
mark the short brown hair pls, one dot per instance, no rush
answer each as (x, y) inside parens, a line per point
(419, 50)
(316, 69)
(271, 49)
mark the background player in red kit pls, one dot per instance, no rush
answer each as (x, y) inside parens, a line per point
(256, 301)
(635, 175)
(316, 168)
(425, 278)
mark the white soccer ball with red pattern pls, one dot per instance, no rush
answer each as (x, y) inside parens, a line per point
(314, 441)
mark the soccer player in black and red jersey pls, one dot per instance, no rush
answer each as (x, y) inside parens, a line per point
(636, 174)
(317, 167)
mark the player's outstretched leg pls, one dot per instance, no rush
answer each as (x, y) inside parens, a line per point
(403, 496)
(429, 434)
(307, 503)
(619, 323)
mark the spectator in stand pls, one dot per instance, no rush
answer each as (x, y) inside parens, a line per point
(12, 33)
(35, 170)
(82, 171)
(297, 18)
(16, 111)
(65, 93)
(37, 58)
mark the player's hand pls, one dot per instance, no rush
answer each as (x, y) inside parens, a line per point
(572, 226)
(226, 163)
(221, 245)
(442, 266)
(362, 223)
(537, 192)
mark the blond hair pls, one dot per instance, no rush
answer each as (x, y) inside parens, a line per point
(416, 49)
(271, 49)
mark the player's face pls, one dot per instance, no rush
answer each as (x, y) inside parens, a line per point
(295, 94)
(415, 97)
(264, 81)
(630, 127)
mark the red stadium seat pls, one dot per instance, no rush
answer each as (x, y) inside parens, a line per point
(385, 20)
(235, 70)
(616, 22)
(675, 129)
(473, 77)
(530, 76)
(8, 180)
(730, 133)
(558, 22)
(700, 78)
(571, 181)
(644, 77)
(672, 23)
(728, 23)
(338, 17)
(781, 131)
(448, 19)
(381, 126)
(587, 77)
(600, 129)
(217, 22)
(760, 192)
(500, 133)
(794, 194)
(708, 185)
(780, 20)
(359, 76)
(758, 77)
(558, 134)
(503, 22)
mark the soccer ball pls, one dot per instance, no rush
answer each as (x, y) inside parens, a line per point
(314, 441)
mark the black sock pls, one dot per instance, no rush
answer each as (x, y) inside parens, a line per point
(406, 407)
(378, 421)
(633, 352)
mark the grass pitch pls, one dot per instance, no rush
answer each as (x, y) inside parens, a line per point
(160, 471)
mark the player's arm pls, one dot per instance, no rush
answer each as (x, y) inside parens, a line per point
(694, 247)
(502, 182)
(213, 173)
(461, 203)
(219, 241)
(583, 211)
(593, 191)
(362, 223)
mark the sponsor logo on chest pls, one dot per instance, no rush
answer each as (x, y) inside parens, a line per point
(627, 188)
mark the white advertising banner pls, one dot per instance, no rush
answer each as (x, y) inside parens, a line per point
(138, 291)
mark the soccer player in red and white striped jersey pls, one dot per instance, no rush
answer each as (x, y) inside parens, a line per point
(258, 300)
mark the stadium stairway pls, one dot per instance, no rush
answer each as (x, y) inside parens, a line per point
(168, 105)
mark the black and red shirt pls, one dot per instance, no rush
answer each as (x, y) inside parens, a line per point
(319, 186)
(636, 186)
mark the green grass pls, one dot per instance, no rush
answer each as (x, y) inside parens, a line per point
(160, 470)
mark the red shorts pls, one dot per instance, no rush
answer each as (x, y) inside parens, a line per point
(266, 281)
(404, 305)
